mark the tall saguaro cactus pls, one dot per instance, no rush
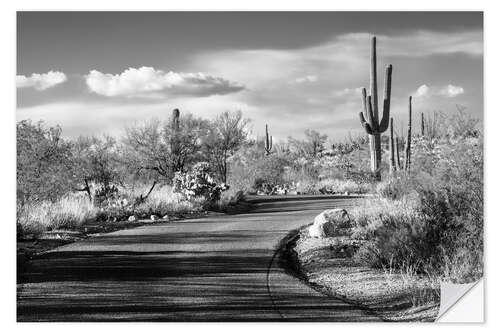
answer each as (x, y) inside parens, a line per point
(370, 117)
(175, 141)
(268, 143)
(422, 124)
(392, 161)
(398, 160)
(408, 139)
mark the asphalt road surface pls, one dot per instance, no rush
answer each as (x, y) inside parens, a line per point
(220, 268)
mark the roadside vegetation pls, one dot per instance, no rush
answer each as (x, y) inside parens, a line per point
(173, 167)
(419, 228)
(430, 220)
(424, 221)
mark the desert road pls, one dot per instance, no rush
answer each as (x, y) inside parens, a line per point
(217, 268)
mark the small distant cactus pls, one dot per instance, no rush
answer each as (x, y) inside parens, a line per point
(392, 160)
(370, 117)
(175, 119)
(408, 139)
(268, 143)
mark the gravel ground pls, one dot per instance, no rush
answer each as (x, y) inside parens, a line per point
(328, 264)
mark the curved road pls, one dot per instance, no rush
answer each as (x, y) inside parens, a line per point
(220, 268)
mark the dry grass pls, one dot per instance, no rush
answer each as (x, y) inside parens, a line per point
(68, 212)
(74, 210)
(343, 185)
(164, 201)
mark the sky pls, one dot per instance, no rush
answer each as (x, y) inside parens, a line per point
(98, 72)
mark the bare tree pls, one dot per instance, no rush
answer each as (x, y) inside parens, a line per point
(96, 160)
(226, 135)
(156, 150)
(311, 147)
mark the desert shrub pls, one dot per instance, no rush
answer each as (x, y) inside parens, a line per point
(271, 169)
(396, 187)
(435, 225)
(198, 183)
(462, 124)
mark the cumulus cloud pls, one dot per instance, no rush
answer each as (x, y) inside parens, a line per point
(449, 91)
(306, 79)
(148, 82)
(41, 81)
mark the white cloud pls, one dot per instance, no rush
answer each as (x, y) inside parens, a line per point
(306, 79)
(424, 43)
(151, 83)
(449, 91)
(422, 91)
(347, 92)
(41, 81)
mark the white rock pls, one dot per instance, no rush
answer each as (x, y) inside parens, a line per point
(132, 218)
(328, 223)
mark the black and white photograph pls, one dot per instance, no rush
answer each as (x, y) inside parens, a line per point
(247, 166)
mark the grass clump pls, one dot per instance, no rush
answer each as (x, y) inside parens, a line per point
(68, 212)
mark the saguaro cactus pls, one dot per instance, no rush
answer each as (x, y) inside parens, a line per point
(398, 160)
(370, 117)
(422, 124)
(408, 139)
(268, 143)
(392, 161)
(175, 141)
(175, 119)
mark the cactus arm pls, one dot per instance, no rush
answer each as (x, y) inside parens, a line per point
(365, 124)
(373, 80)
(371, 116)
(384, 123)
(270, 142)
(363, 99)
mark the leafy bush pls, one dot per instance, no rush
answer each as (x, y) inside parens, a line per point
(198, 183)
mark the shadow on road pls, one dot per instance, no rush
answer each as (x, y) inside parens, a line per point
(211, 269)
